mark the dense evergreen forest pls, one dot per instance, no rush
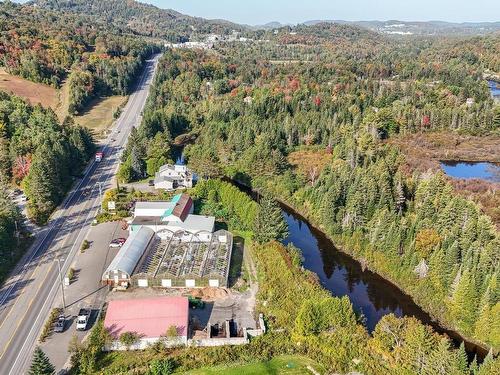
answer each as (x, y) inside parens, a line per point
(43, 157)
(250, 116)
(40, 154)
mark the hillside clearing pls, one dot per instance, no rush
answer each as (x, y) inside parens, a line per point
(310, 162)
(35, 93)
(99, 115)
(63, 101)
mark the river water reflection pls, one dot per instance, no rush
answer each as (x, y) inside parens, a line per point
(370, 294)
(494, 89)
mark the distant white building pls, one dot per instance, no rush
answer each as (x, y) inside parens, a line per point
(190, 45)
(171, 177)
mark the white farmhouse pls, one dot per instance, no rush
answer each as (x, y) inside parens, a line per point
(171, 177)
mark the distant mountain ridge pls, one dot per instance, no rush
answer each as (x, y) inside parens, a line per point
(412, 27)
(149, 20)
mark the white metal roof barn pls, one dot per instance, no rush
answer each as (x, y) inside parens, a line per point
(122, 266)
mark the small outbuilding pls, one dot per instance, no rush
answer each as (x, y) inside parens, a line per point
(148, 320)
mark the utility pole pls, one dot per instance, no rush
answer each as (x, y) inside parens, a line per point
(17, 231)
(99, 184)
(62, 285)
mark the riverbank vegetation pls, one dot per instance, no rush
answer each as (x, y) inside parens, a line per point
(405, 224)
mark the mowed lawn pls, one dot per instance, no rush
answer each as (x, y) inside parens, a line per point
(35, 93)
(99, 114)
(293, 365)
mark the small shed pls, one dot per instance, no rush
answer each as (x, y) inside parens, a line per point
(123, 265)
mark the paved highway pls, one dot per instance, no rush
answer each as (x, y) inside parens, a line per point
(28, 295)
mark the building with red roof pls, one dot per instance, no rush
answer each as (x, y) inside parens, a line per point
(149, 319)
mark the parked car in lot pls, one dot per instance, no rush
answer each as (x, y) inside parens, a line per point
(83, 319)
(117, 242)
(60, 323)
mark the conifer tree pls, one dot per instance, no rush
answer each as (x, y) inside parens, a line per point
(462, 360)
(474, 367)
(269, 223)
(463, 304)
(452, 258)
(137, 163)
(41, 364)
(440, 361)
(42, 184)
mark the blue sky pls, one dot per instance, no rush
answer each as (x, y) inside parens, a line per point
(294, 11)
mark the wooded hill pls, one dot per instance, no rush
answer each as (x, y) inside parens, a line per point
(49, 46)
(142, 19)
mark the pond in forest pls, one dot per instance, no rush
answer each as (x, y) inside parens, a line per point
(494, 88)
(465, 169)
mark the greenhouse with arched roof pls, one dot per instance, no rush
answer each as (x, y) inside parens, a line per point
(121, 268)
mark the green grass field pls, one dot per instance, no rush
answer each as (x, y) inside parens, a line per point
(277, 366)
(99, 115)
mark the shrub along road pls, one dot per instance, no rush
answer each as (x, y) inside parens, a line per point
(27, 296)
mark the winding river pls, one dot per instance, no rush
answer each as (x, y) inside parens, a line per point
(369, 293)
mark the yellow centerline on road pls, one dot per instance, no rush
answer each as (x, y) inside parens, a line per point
(32, 276)
(77, 199)
(21, 291)
(45, 278)
(27, 310)
(37, 291)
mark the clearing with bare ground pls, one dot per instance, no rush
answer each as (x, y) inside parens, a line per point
(35, 93)
(99, 115)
